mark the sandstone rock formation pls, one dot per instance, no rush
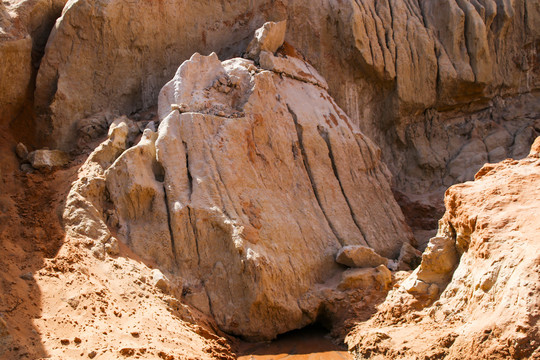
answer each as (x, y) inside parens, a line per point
(253, 182)
(432, 83)
(483, 271)
(235, 191)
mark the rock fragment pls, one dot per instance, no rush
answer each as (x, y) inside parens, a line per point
(366, 278)
(409, 257)
(21, 151)
(267, 38)
(359, 256)
(160, 281)
(48, 159)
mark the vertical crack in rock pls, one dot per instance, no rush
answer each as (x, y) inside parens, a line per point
(193, 223)
(299, 133)
(374, 170)
(195, 237)
(324, 135)
(169, 224)
(159, 175)
(211, 160)
(190, 178)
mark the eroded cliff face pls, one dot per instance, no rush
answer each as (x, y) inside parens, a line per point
(484, 264)
(441, 87)
(250, 186)
(432, 83)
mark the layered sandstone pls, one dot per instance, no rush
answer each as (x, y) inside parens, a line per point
(250, 186)
(475, 294)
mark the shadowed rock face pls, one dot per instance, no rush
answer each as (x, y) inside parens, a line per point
(253, 182)
(24, 29)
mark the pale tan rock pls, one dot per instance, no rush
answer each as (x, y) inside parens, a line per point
(535, 149)
(359, 256)
(438, 260)
(268, 38)
(160, 281)
(139, 200)
(48, 159)
(293, 67)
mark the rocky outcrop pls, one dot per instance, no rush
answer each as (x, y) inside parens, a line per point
(477, 285)
(429, 82)
(253, 182)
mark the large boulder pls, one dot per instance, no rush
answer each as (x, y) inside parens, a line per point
(359, 256)
(253, 182)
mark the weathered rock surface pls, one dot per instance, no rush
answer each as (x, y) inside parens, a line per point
(483, 271)
(246, 195)
(16, 65)
(268, 38)
(367, 278)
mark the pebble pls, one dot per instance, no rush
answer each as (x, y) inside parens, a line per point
(22, 151)
(27, 276)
